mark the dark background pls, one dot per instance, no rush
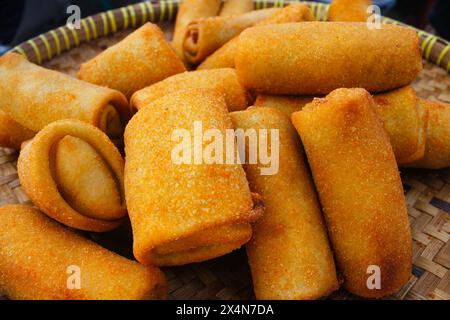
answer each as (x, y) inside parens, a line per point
(23, 19)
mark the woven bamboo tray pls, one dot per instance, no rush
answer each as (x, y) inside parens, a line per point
(427, 192)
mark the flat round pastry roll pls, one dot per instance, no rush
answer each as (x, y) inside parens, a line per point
(349, 10)
(224, 56)
(289, 253)
(236, 7)
(204, 36)
(12, 134)
(360, 190)
(42, 260)
(74, 174)
(224, 80)
(437, 148)
(405, 121)
(286, 104)
(141, 59)
(34, 97)
(315, 57)
(188, 11)
(185, 210)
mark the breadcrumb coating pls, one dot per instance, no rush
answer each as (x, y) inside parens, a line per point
(289, 254)
(190, 207)
(36, 254)
(360, 190)
(316, 57)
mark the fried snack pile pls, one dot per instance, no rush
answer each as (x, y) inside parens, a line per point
(332, 212)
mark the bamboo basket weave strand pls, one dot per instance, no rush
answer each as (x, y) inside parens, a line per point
(427, 192)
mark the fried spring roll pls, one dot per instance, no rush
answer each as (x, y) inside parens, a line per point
(74, 174)
(405, 121)
(191, 10)
(34, 97)
(39, 256)
(349, 10)
(315, 58)
(289, 254)
(223, 80)
(360, 190)
(182, 212)
(236, 7)
(12, 134)
(204, 36)
(286, 104)
(224, 56)
(437, 149)
(141, 59)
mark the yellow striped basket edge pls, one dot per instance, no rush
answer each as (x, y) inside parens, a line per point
(55, 42)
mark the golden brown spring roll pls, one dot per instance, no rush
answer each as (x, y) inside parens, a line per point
(41, 260)
(223, 80)
(360, 190)
(182, 212)
(188, 11)
(349, 10)
(74, 174)
(141, 59)
(236, 7)
(286, 104)
(289, 254)
(204, 36)
(437, 149)
(315, 57)
(224, 56)
(405, 121)
(34, 97)
(12, 134)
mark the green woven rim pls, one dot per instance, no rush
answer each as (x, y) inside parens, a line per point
(53, 43)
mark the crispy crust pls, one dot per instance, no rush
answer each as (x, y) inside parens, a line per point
(141, 59)
(167, 201)
(315, 58)
(35, 173)
(349, 10)
(360, 190)
(34, 96)
(236, 7)
(35, 253)
(286, 104)
(289, 254)
(223, 80)
(12, 134)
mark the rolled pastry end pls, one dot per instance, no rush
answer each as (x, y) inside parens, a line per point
(202, 245)
(74, 174)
